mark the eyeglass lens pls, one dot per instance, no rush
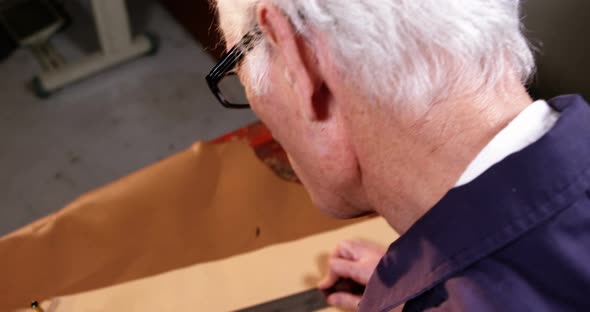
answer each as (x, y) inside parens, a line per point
(233, 90)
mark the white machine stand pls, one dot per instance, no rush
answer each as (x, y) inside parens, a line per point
(116, 46)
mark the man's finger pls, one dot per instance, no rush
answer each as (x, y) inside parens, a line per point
(355, 249)
(347, 250)
(344, 300)
(332, 276)
(348, 269)
(329, 280)
(343, 263)
(340, 268)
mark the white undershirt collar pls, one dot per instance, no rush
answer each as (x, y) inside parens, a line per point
(528, 127)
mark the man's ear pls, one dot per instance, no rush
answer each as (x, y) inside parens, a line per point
(302, 70)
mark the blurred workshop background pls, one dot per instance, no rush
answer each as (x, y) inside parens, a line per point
(60, 139)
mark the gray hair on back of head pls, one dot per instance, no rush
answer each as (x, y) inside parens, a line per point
(414, 52)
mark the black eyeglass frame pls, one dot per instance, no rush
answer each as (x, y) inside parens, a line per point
(227, 65)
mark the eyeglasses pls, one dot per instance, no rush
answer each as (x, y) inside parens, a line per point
(223, 79)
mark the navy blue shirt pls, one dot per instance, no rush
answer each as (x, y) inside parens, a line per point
(517, 238)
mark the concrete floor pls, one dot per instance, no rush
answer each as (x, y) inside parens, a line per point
(105, 127)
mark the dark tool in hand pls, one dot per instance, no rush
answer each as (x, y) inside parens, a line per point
(310, 300)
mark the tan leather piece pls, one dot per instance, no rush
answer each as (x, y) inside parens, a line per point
(229, 284)
(204, 204)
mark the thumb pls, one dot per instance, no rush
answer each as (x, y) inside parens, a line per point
(344, 300)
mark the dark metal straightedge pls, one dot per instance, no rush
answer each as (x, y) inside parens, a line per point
(307, 301)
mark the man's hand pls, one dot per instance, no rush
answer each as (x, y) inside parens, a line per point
(354, 260)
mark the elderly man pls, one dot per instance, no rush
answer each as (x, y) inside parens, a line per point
(417, 110)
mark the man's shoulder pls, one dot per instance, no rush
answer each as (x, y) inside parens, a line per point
(547, 269)
(516, 234)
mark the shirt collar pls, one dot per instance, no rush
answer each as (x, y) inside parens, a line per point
(476, 219)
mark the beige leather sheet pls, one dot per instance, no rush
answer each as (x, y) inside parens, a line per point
(226, 285)
(205, 204)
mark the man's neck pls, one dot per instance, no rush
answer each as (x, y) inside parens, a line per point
(427, 156)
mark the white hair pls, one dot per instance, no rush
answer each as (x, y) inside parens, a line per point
(406, 51)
